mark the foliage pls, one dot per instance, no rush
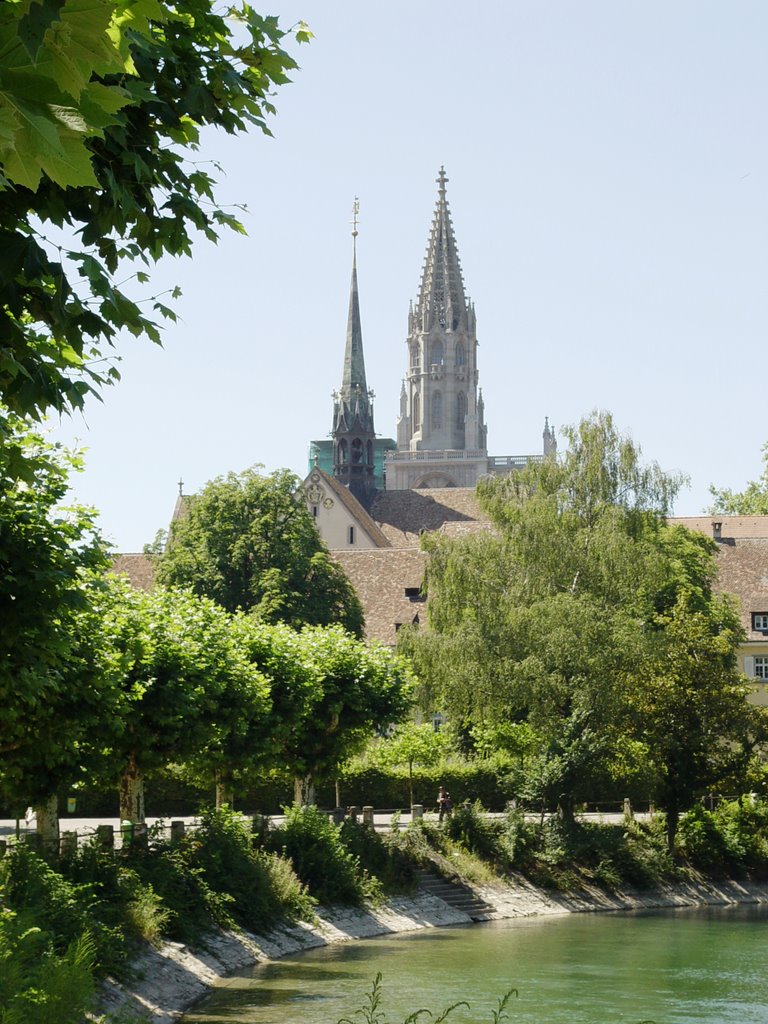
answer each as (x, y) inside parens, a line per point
(413, 743)
(38, 984)
(729, 841)
(690, 705)
(321, 859)
(551, 632)
(50, 559)
(752, 501)
(110, 99)
(64, 910)
(188, 690)
(330, 692)
(222, 847)
(379, 855)
(247, 543)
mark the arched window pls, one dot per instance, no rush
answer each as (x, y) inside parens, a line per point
(461, 410)
(357, 451)
(343, 453)
(436, 353)
(437, 410)
(369, 453)
(461, 354)
(416, 412)
(414, 355)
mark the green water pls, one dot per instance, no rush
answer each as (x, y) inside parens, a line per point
(705, 966)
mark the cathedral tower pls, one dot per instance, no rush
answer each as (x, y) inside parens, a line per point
(354, 438)
(441, 434)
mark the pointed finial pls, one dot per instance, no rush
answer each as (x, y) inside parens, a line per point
(355, 212)
(441, 180)
(181, 488)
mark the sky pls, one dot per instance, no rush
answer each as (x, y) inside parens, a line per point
(608, 183)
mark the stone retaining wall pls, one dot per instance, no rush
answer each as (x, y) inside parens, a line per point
(174, 977)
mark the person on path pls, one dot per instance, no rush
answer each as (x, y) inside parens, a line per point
(444, 803)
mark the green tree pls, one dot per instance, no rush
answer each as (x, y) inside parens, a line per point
(752, 501)
(414, 743)
(552, 619)
(109, 98)
(689, 706)
(51, 561)
(188, 689)
(247, 543)
(329, 692)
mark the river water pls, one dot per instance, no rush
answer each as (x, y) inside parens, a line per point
(706, 966)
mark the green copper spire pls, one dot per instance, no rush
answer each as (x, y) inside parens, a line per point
(354, 361)
(354, 437)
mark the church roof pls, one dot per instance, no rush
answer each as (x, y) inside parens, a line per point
(404, 515)
(138, 567)
(388, 583)
(441, 299)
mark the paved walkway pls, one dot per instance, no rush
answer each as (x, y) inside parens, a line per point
(382, 821)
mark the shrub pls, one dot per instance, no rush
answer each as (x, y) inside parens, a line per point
(63, 909)
(469, 826)
(215, 875)
(380, 855)
(331, 872)
(39, 985)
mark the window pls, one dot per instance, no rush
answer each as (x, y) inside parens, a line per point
(314, 511)
(461, 410)
(351, 535)
(437, 410)
(416, 412)
(760, 621)
(461, 354)
(413, 593)
(761, 666)
(436, 353)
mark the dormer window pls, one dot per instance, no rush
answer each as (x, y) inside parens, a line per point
(760, 622)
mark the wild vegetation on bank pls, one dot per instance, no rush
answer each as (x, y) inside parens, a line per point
(69, 922)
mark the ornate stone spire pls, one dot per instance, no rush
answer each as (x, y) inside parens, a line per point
(441, 298)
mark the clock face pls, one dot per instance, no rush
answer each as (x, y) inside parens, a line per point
(328, 503)
(315, 494)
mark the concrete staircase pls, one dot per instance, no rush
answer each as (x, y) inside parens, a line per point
(455, 894)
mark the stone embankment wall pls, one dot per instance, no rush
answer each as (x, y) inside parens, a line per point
(174, 977)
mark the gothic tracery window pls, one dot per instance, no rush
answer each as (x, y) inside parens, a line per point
(436, 353)
(437, 410)
(461, 410)
(461, 354)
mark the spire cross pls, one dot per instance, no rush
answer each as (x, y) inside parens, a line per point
(355, 212)
(181, 488)
(441, 180)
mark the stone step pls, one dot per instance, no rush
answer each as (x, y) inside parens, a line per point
(455, 894)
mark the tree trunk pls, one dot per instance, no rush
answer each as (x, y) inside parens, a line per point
(132, 792)
(410, 781)
(304, 790)
(225, 789)
(48, 824)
